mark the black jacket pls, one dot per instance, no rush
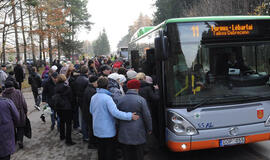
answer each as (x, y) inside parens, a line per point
(147, 91)
(48, 92)
(80, 84)
(34, 80)
(19, 74)
(63, 95)
(88, 93)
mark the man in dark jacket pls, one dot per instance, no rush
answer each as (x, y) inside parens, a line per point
(88, 93)
(48, 92)
(132, 134)
(17, 98)
(19, 74)
(81, 83)
(9, 118)
(35, 81)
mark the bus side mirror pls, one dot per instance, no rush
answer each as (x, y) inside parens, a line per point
(161, 44)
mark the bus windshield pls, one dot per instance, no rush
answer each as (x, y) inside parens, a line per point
(228, 62)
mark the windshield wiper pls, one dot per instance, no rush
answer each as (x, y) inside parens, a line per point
(206, 100)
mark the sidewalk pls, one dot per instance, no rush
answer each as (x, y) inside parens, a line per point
(45, 144)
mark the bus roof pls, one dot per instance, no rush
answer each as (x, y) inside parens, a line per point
(215, 18)
(196, 19)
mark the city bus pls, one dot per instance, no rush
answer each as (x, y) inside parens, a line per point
(213, 76)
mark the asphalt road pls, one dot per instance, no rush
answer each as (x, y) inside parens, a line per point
(45, 145)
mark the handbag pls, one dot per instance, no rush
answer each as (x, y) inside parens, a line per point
(27, 129)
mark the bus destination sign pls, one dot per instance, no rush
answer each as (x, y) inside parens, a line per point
(232, 30)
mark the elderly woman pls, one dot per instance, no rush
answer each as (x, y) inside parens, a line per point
(63, 105)
(9, 118)
(16, 96)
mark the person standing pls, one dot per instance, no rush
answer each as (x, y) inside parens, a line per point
(105, 70)
(19, 74)
(63, 107)
(80, 84)
(35, 81)
(3, 76)
(88, 93)
(132, 135)
(47, 93)
(17, 98)
(9, 119)
(104, 112)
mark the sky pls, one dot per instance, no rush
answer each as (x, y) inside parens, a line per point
(115, 16)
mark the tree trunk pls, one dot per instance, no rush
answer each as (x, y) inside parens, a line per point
(3, 55)
(15, 28)
(40, 35)
(50, 44)
(58, 47)
(31, 35)
(23, 34)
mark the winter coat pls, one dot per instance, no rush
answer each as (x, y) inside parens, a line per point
(3, 77)
(48, 92)
(9, 117)
(104, 112)
(147, 91)
(45, 73)
(88, 93)
(80, 84)
(63, 95)
(114, 88)
(134, 132)
(17, 98)
(35, 81)
(13, 80)
(19, 74)
(92, 71)
(63, 70)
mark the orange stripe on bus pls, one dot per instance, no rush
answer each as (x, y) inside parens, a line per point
(197, 145)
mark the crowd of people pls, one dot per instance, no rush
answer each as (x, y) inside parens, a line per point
(105, 100)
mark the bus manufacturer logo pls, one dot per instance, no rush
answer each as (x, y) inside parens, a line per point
(260, 113)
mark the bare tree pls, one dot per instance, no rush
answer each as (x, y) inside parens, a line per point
(15, 28)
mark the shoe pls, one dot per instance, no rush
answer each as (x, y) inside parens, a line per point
(70, 143)
(42, 117)
(37, 107)
(20, 145)
(62, 138)
(52, 127)
(92, 146)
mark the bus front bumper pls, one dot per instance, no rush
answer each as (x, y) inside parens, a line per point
(211, 138)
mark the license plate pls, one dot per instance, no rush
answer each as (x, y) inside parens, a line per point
(232, 141)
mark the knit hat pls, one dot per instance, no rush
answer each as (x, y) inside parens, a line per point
(9, 84)
(114, 76)
(131, 74)
(105, 67)
(134, 84)
(54, 68)
(149, 80)
(93, 79)
(122, 78)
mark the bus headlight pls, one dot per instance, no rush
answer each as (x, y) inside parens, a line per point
(179, 125)
(267, 122)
